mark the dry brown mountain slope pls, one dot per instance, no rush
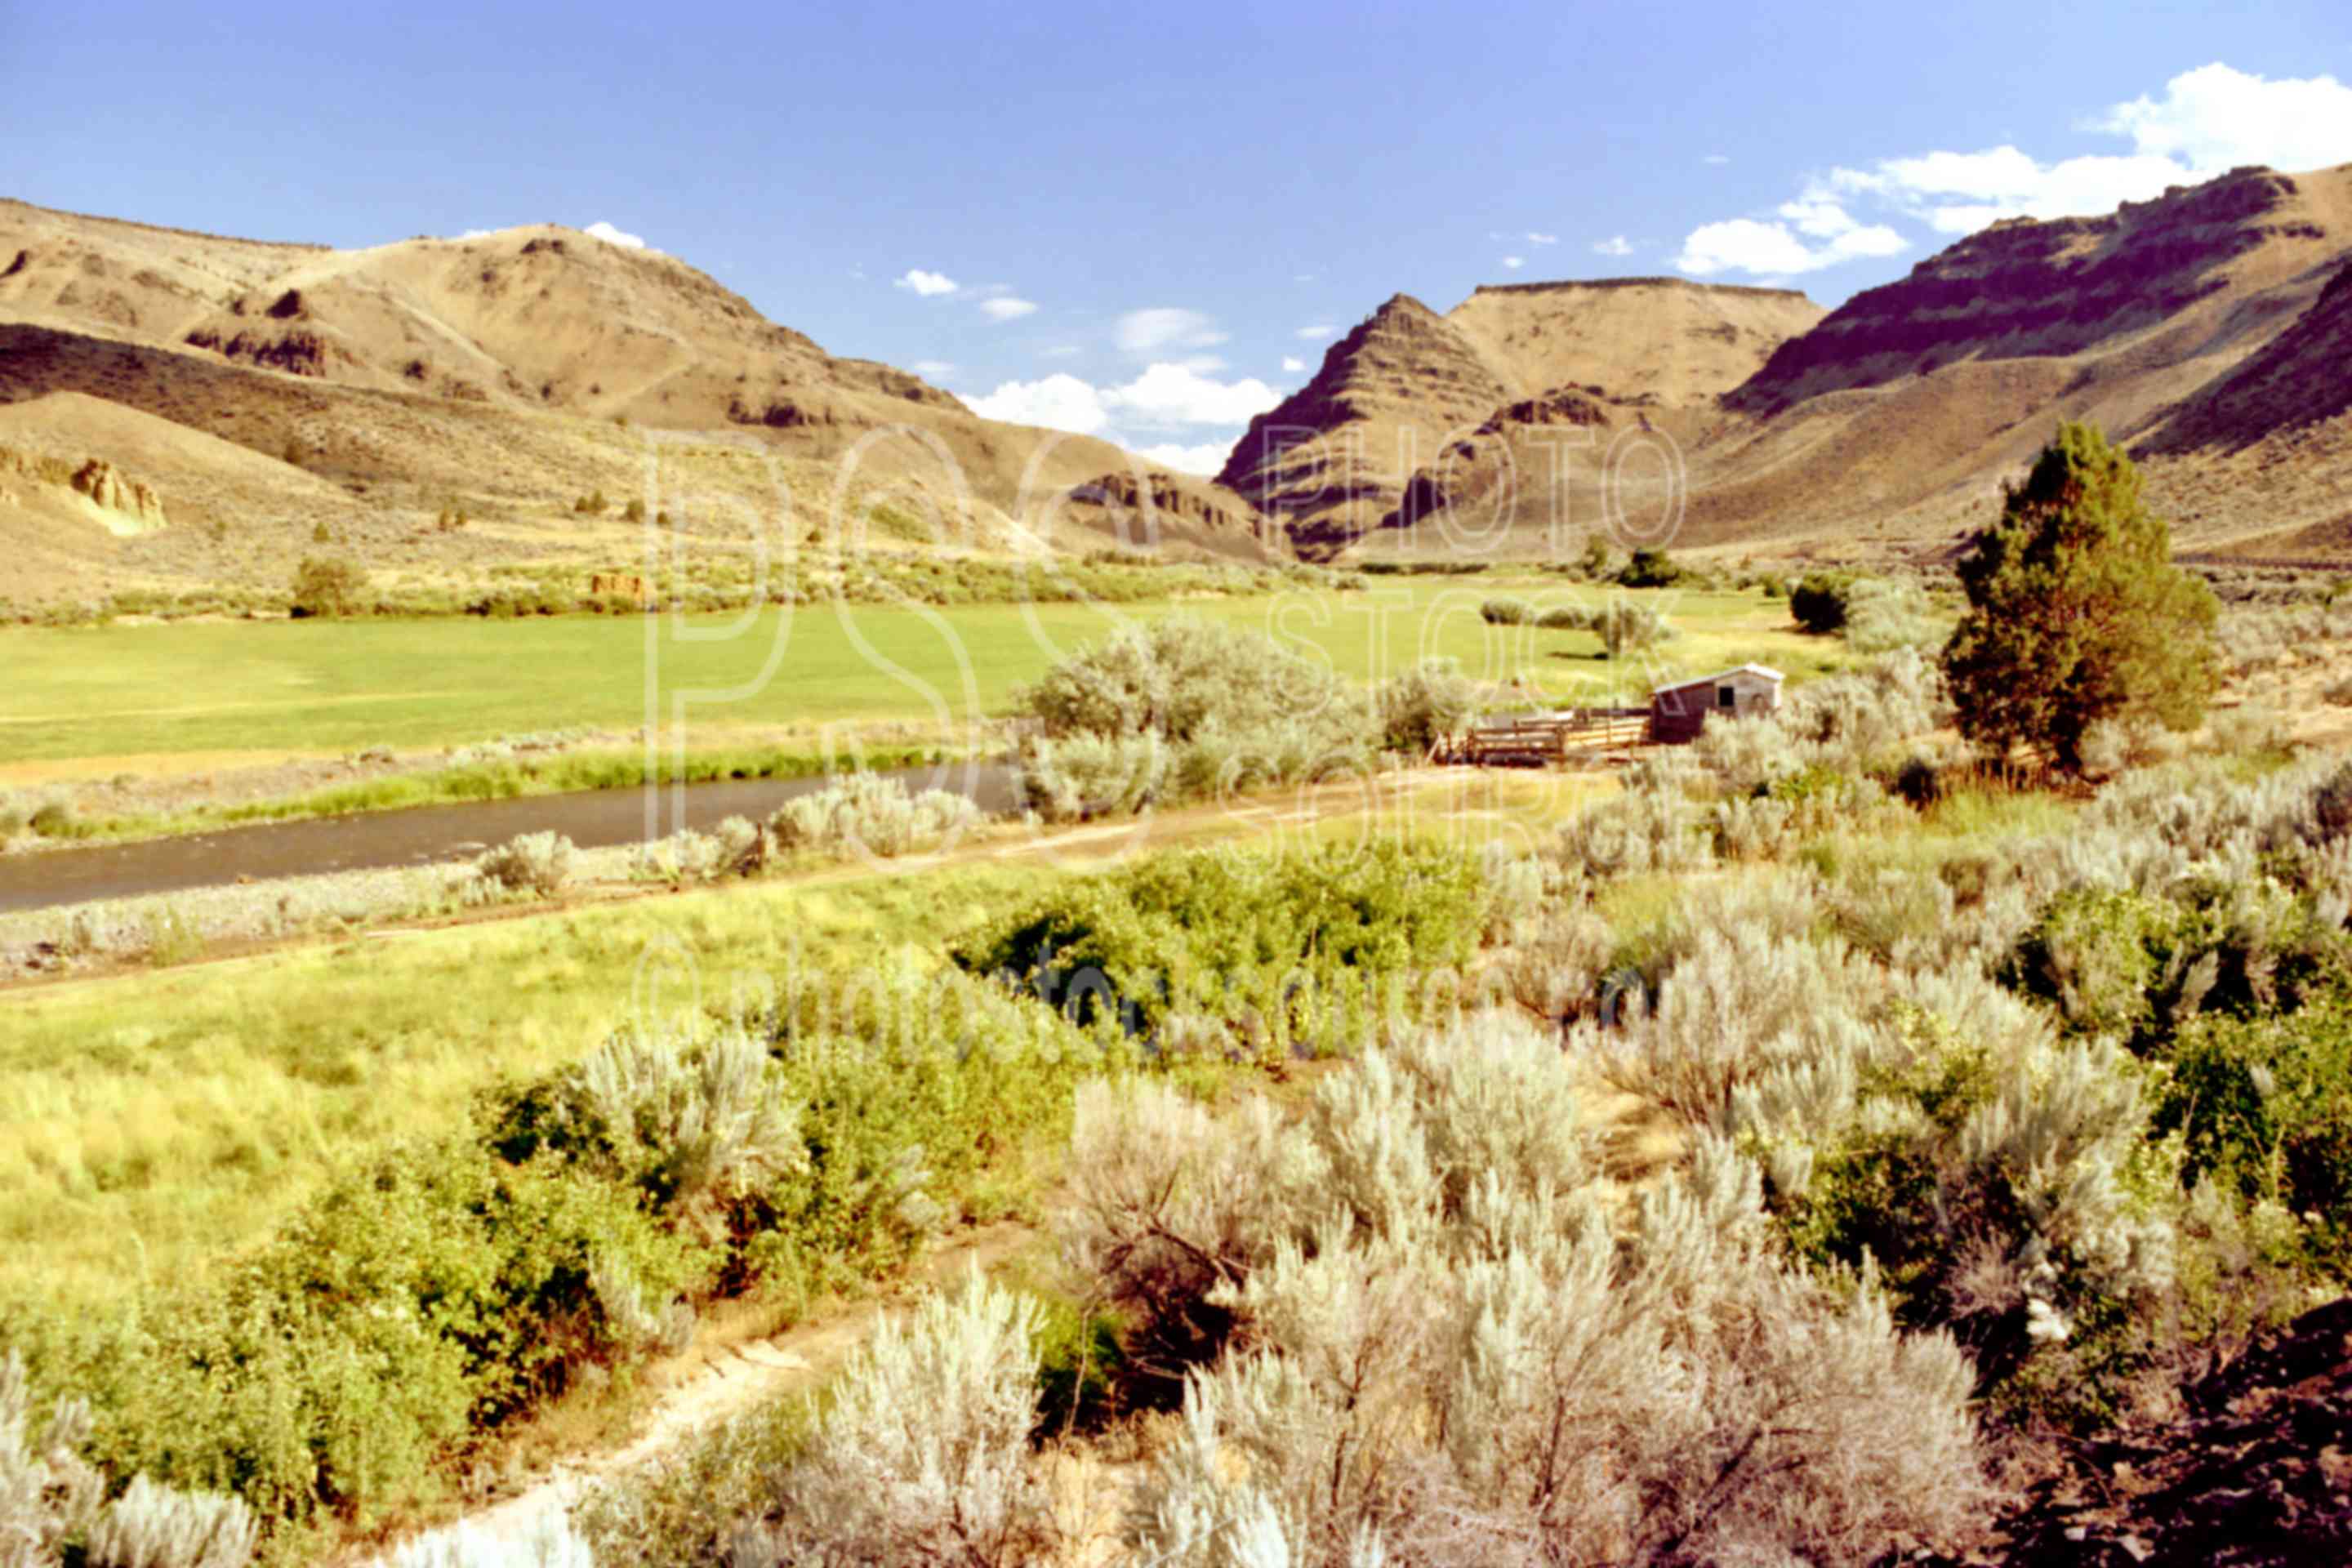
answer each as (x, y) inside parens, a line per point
(1412, 412)
(1892, 423)
(2200, 327)
(511, 373)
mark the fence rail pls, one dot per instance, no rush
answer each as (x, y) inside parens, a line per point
(1543, 739)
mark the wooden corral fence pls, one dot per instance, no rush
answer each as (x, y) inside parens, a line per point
(1541, 739)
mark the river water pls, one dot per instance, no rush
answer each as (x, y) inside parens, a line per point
(421, 835)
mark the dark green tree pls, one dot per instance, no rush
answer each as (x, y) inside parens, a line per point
(2076, 613)
(1819, 602)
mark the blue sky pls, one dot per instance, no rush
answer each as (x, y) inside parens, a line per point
(1152, 219)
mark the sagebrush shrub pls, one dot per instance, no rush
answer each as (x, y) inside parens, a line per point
(1555, 969)
(1181, 709)
(536, 863)
(552, 1542)
(1626, 627)
(1649, 826)
(1425, 705)
(688, 1121)
(1082, 776)
(864, 814)
(151, 1526)
(921, 1452)
(53, 1507)
(1441, 1349)
(1883, 615)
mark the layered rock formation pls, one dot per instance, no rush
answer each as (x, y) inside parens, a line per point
(1414, 414)
(2197, 327)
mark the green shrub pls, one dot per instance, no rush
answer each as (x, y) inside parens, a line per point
(2264, 1106)
(1506, 612)
(1274, 952)
(326, 585)
(2096, 955)
(52, 819)
(1651, 569)
(1819, 602)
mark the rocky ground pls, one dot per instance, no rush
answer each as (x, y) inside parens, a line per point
(2253, 1470)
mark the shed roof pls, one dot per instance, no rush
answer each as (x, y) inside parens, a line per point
(1765, 670)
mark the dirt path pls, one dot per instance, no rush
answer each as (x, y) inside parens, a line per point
(708, 1384)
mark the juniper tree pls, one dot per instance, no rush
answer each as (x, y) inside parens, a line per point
(2076, 614)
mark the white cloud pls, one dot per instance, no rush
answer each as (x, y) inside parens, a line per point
(1959, 192)
(2209, 121)
(1746, 245)
(1165, 396)
(932, 369)
(478, 234)
(2214, 118)
(1303, 278)
(1534, 239)
(927, 284)
(1615, 245)
(1059, 402)
(1313, 332)
(1515, 262)
(1061, 351)
(1169, 395)
(2206, 121)
(1005, 308)
(1716, 158)
(1292, 365)
(611, 236)
(1205, 460)
(1165, 327)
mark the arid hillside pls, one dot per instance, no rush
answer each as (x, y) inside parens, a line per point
(2192, 326)
(2209, 329)
(501, 376)
(365, 396)
(1414, 412)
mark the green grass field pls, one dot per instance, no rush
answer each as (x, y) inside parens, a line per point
(150, 1124)
(332, 687)
(153, 1122)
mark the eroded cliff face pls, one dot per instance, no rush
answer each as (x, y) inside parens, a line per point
(2024, 289)
(92, 490)
(1412, 412)
(1335, 457)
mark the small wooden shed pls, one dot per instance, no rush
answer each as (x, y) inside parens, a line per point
(1679, 711)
